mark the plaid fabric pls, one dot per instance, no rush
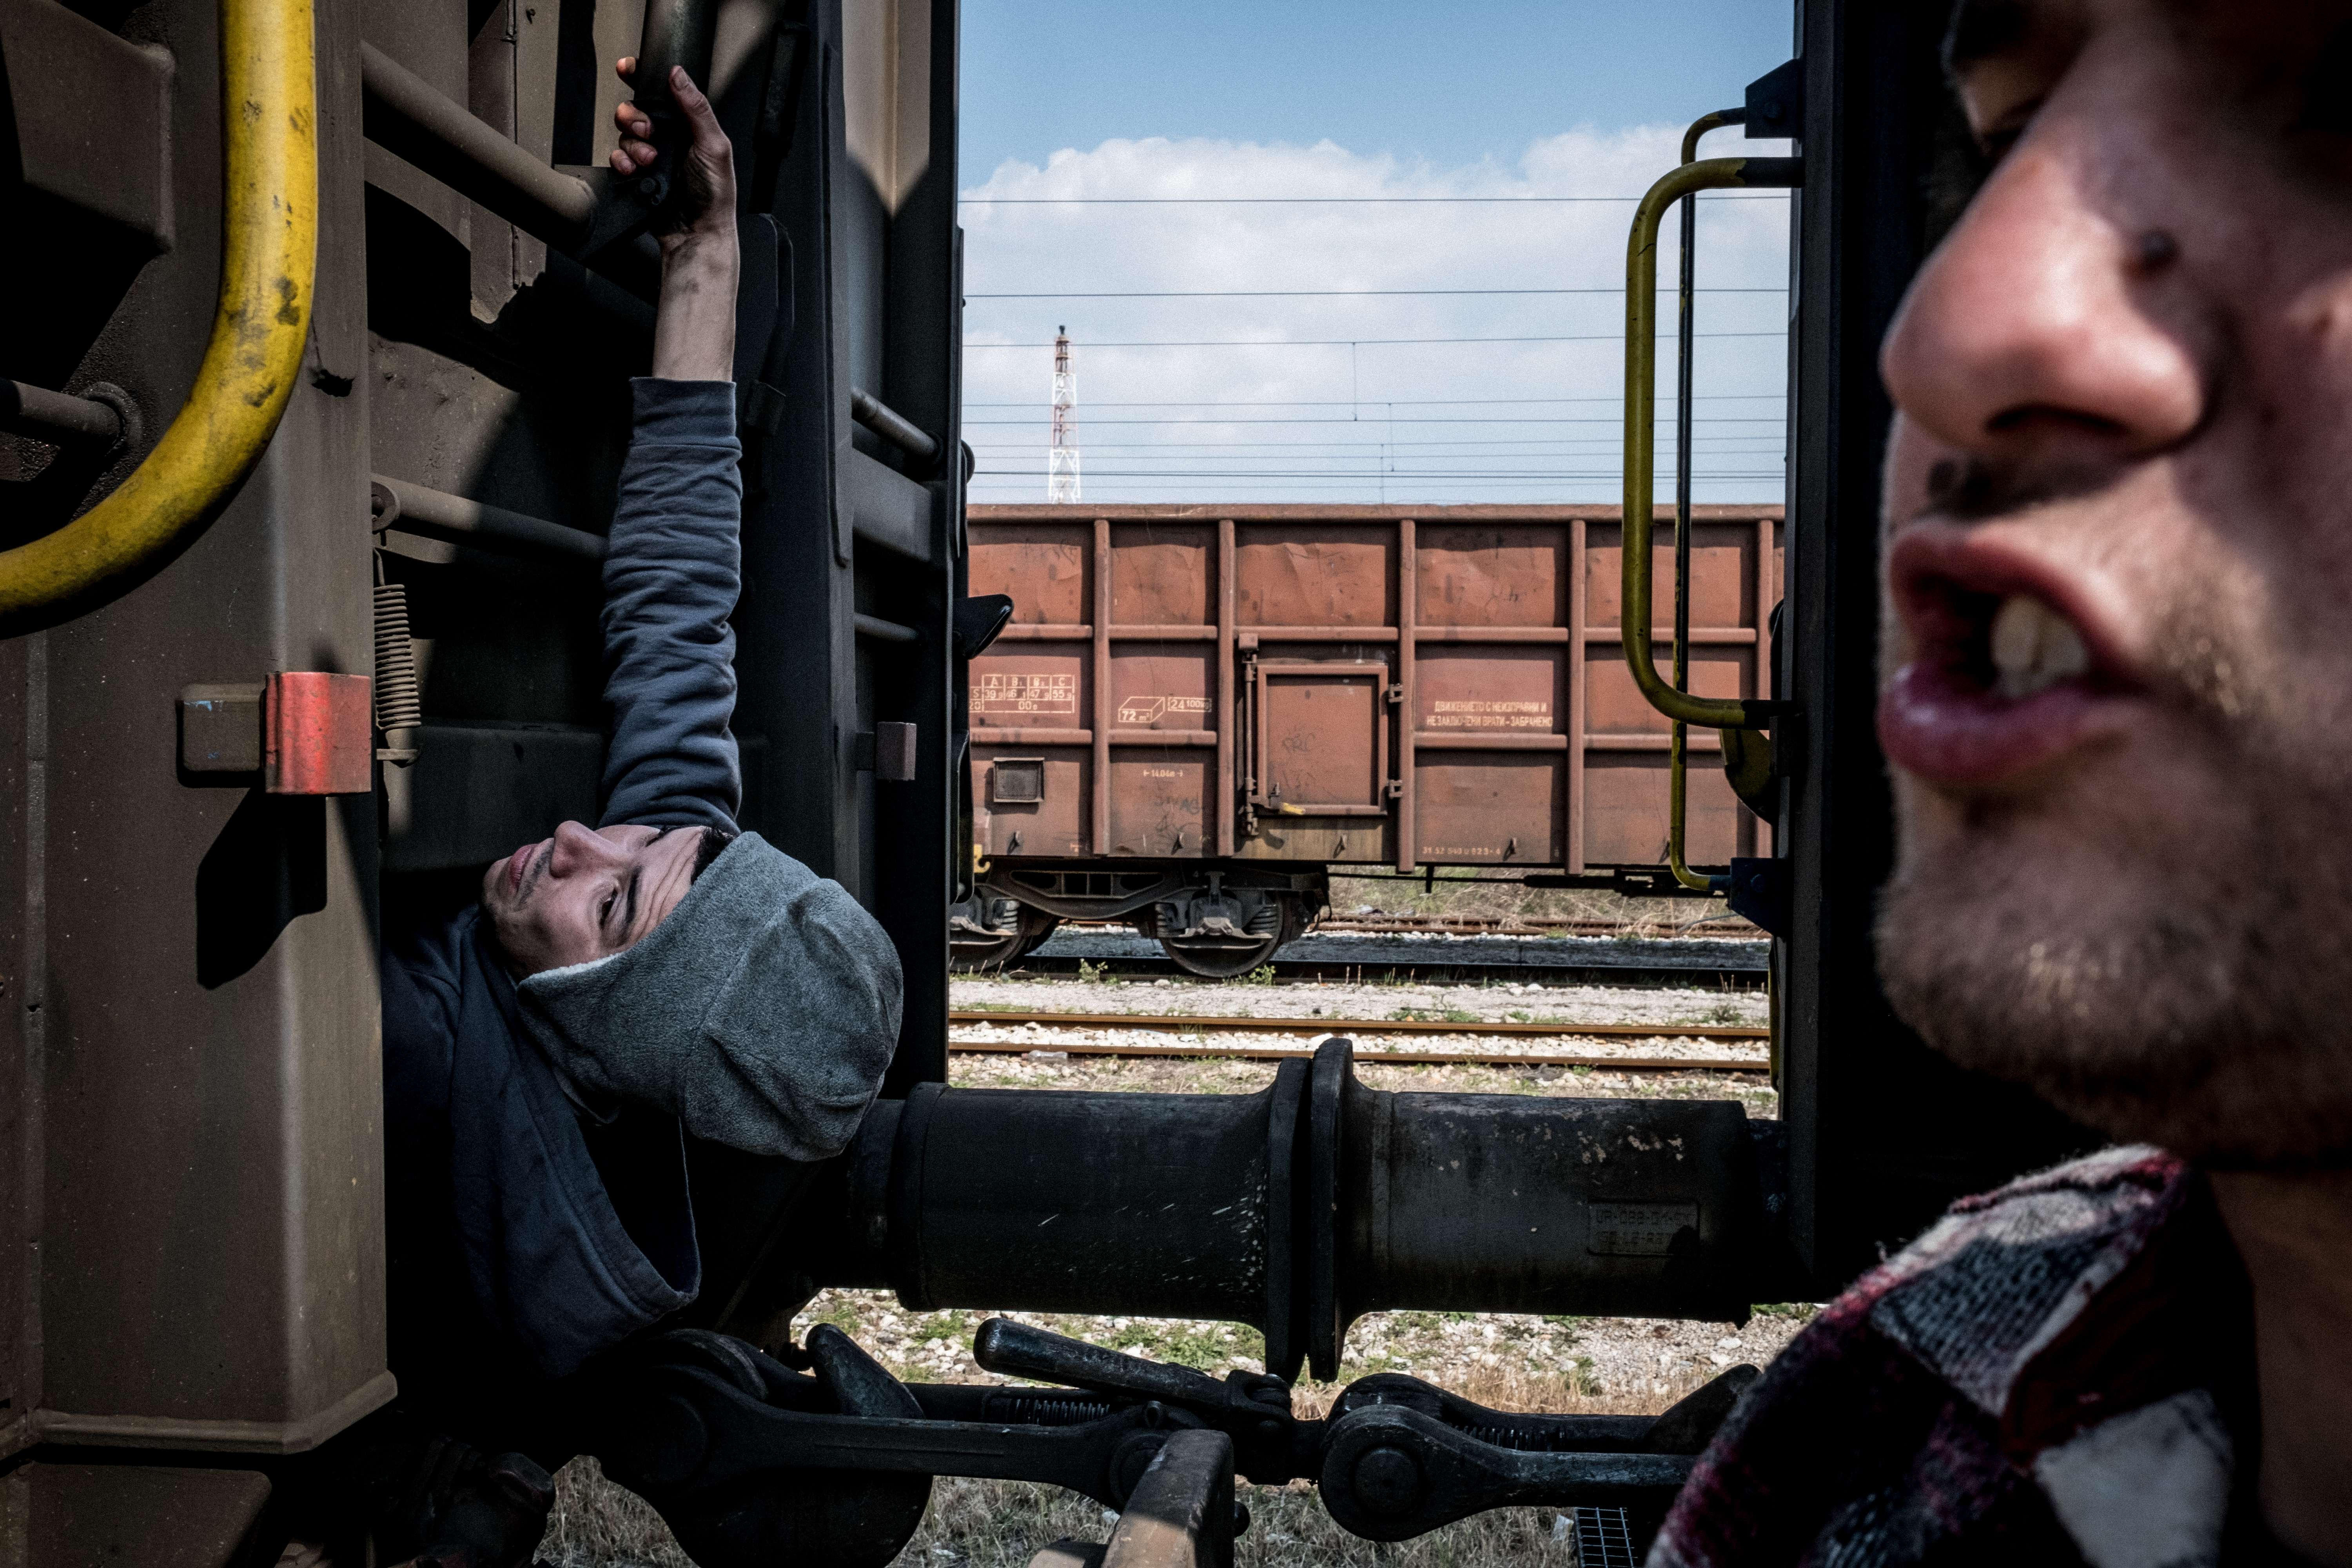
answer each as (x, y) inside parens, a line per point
(2051, 1373)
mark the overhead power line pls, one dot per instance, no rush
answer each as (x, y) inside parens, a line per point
(1363, 343)
(1393, 474)
(1323, 201)
(1354, 342)
(1391, 402)
(1317, 293)
(1327, 419)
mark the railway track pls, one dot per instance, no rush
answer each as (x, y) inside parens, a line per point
(1460, 925)
(1351, 957)
(1726, 929)
(1313, 1028)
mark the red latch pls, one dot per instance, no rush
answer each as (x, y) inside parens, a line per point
(318, 734)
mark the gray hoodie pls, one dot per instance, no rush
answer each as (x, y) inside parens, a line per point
(761, 1013)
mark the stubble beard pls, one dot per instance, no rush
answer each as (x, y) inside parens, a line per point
(2177, 970)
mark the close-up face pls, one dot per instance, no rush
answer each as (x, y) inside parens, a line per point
(2117, 694)
(585, 894)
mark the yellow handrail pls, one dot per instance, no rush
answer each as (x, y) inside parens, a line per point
(1678, 748)
(1641, 387)
(270, 241)
(1700, 127)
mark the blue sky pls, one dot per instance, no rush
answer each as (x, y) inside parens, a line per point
(1451, 83)
(1498, 150)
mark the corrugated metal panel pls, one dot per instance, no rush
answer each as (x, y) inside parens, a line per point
(1181, 673)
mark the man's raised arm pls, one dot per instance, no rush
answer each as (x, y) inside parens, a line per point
(673, 568)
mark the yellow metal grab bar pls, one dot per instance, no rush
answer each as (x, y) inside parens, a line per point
(1641, 455)
(270, 234)
(1678, 749)
(1641, 387)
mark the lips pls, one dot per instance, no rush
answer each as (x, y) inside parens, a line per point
(2010, 671)
(517, 864)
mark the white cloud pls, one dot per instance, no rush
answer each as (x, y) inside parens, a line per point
(1391, 420)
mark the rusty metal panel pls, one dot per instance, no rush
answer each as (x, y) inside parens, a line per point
(1033, 686)
(1625, 814)
(1052, 823)
(1322, 733)
(1163, 576)
(1309, 576)
(1517, 737)
(1044, 568)
(1617, 709)
(1723, 583)
(1463, 693)
(1491, 809)
(1155, 801)
(1161, 686)
(1493, 574)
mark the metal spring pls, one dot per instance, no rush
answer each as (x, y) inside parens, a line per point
(399, 704)
(1028, 1410)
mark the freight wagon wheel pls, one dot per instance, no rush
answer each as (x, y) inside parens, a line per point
(989, 933)
(1218, 956)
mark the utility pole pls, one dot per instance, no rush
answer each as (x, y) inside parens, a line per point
(1062, 447)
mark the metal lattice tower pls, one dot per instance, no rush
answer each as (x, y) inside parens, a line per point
(1062, 446)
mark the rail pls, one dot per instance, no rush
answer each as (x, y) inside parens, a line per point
(893, 427)
(405, 116)
(435, 514)
(1718, 1032)
(1395, 1058)
(56, 416)
(269, 232)
(1712, 930)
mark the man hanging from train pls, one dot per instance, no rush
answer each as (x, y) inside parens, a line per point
(2117, 703)
(614, 983)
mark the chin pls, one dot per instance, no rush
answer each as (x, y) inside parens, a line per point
(2155, 978)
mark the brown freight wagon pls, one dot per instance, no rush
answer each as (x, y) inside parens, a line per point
(1196, 709)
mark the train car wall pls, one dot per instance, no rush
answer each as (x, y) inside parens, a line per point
(191, 1210)
(1494, 627)
(1198, 709)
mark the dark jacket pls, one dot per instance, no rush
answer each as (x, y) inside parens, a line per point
(524, 1236)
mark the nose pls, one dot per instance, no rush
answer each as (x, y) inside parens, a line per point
(2051, 326)
(580, 849)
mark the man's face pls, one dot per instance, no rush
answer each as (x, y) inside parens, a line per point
(585, 894)
(2117, 680)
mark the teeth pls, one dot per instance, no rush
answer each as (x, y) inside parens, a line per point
(2034, 647)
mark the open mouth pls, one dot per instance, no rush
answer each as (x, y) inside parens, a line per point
(518, 864)
(2003, 677)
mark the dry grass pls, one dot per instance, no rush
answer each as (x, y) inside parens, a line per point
(599, 1524)
(1003, 1524)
